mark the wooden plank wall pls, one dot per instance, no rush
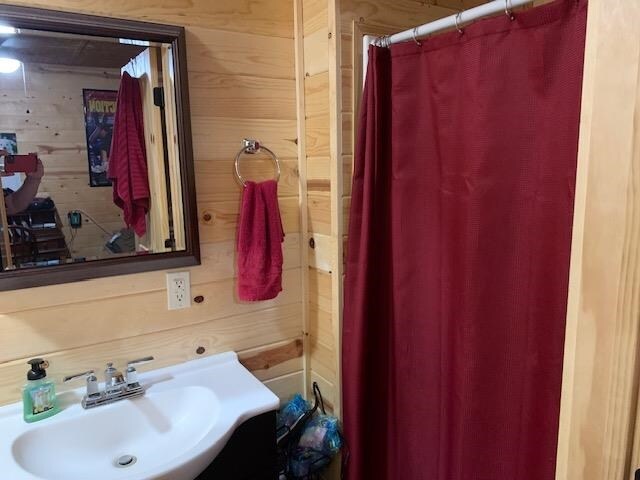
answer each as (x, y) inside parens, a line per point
(46, 113)
(599, 407)
(321, 347)
(242, 84)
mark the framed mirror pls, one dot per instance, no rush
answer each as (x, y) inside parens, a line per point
(96, 158)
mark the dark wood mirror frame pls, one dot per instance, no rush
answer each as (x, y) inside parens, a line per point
(65, 22)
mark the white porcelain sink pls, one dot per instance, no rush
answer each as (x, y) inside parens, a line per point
(174, 431)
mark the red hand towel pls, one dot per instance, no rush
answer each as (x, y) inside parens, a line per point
(260, 238)
(128, 160)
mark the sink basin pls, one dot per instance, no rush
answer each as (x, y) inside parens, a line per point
(173, 432)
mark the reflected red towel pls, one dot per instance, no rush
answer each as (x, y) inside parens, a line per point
(127, 159)
(260, 238)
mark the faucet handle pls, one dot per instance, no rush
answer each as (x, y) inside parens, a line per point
(78, 375)
(138, 361)
(132, 373)
(93, 389)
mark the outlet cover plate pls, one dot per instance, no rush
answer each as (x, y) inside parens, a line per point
(178, 290)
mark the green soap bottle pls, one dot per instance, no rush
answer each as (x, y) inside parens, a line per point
(39, 394)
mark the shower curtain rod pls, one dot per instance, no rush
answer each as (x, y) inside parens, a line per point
(452, 21)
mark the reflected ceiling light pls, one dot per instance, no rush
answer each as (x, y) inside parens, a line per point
(7, 30)
(9, 65)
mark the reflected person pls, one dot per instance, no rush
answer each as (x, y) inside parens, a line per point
(20, 200)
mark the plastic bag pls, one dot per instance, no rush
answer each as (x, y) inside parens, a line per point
(292, 411)
(322, 433)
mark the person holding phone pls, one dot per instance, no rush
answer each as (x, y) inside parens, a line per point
(18, 201)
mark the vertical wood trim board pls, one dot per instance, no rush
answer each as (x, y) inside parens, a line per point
(302, 171)
(600, 385)
(335, 147)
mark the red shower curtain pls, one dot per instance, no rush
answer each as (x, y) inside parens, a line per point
(458, 255)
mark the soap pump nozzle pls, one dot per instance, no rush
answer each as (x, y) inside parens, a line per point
(38, 369)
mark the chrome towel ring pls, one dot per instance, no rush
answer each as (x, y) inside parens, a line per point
(253, 146)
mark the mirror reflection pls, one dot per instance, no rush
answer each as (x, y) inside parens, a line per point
(88, 156)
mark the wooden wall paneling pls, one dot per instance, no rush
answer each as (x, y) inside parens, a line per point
(274, 360)
(320, 324)
(218, 265)
(268, 18)
(319, 211)
(221, 137)
(236, 53)
(600, 373)
(118, 318)
(301, 103)
(316, 58)
(316, 94)
(317, 135)
(178, 344)
(336, 152)
(286, 385)
(244, 96)
(318, 174)
(213, 177)
(401, 14)
(64, 327)
(315, 16)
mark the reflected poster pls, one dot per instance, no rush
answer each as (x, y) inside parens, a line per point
(99, 115)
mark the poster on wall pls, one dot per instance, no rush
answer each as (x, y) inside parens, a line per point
(9, 143)
(99, 114)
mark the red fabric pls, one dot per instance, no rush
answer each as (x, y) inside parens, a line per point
(260, 238)
(458, 255)
(127, 159)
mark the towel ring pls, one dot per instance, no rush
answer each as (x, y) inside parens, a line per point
(460, 30)
(252, 147)
(508, 9)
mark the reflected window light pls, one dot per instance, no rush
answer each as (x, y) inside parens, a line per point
(9, 65)
(7, 30)
(142, 43)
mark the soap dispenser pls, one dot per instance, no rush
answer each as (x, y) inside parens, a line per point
(39, 394)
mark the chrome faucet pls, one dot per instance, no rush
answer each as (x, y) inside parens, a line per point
(116, 385)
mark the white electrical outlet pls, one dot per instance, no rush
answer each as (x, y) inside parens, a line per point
(178, 290)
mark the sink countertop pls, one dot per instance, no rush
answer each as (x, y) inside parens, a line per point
(175, 430)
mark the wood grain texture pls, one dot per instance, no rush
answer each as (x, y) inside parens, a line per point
(50, 113)
(175, 345)
(319, 212)
(265, 358)
(316, 95)
(286, 385)
(272, 18)
(401, 14)
(317, 135)
(298, 9)
(241, 72)
(314, 16)
(316, 54)
(600, 375)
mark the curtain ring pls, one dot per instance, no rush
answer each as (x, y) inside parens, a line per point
(458, 15)
(508, 9)
(415, 34)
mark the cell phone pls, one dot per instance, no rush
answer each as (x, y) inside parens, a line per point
(21, 163)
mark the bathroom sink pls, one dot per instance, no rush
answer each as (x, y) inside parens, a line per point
(172, 432)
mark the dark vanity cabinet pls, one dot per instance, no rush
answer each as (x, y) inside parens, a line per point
(250, 454)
